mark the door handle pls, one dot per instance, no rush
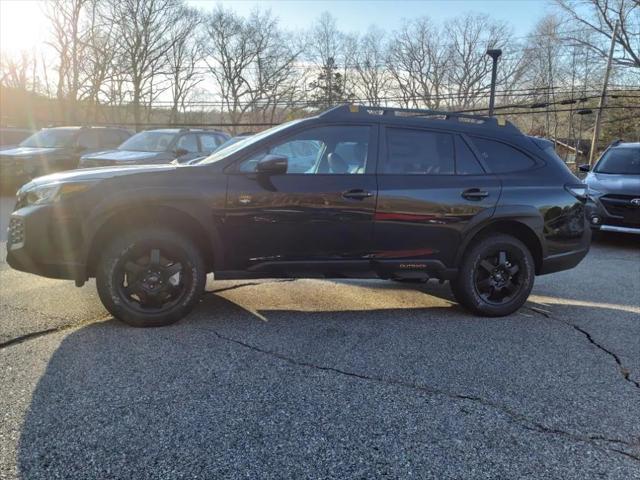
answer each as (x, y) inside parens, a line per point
(474, 194)
(357, 194)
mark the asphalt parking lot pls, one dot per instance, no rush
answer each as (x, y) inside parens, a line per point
(326, 379)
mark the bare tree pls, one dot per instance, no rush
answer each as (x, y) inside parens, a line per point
(274, 72)
(16, 71)
(66, 18)
(143, 32)
(469, 72)
(230, 55)
(372, 81)
(327, 53)
(418, 62)
(600, 16)
(101, 58)
(183, 58)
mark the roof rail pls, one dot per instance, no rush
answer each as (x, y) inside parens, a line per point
(350, 109)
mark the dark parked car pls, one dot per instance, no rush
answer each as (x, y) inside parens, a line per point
(159, 146)
(55, 149)
(614, 189)
(394, 194)
(11, 137)
(228, 143)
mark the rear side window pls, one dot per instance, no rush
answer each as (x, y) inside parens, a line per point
(111, 138)
(210, 142)
(502, 158)
(466, 161)
(188, 142)
(418, 152)
(89, 140)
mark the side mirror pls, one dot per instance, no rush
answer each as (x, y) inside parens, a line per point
(180, 152)
(273, 165)
(585, 167)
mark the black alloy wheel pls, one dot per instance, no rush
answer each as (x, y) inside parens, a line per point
(151, 280)
(495, 276)
(150, 277)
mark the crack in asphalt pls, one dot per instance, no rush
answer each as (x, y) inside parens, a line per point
(47, 331)
(41, 333)
(248, 284)
(518, 418)
(28, 336)
(624, 371)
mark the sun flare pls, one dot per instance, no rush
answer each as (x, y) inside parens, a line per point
(22, 25)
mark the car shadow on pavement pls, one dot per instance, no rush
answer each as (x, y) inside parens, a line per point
(324, 393)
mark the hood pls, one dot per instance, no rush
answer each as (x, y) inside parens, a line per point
(95, 174)
(614, 183)
(127, 156)
(28, 151)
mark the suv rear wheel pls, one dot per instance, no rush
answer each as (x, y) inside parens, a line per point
(151, 277)
(495, 277)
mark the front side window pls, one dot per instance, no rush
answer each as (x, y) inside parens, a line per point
(322, 150)
(50, 138)
(620, 160)
(418, 152)
(502, 158)
(149, 141)
(188, 142)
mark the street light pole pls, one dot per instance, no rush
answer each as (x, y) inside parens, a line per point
(494, 54)
(603, 97)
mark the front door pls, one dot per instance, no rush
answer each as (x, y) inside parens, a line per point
(318, 215)
(430, 188)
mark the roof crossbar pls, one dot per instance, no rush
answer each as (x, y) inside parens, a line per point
(418, 113)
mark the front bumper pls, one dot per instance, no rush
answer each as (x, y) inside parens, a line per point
(619, 217)
(45, 241)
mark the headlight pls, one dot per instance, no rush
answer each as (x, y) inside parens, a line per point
(39, 195)
(50, 193)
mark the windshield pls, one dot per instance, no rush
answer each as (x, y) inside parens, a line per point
(245, 142)
(149, 142)
(620, 160)
(50, 138)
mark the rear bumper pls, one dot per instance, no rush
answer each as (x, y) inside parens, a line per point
(562, 261)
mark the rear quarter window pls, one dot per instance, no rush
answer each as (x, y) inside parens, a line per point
(466, 161)
(502, 158)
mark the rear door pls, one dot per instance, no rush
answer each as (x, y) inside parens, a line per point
(431, 187)
(318, 215)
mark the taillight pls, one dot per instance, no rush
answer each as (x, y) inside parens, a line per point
(578, 190)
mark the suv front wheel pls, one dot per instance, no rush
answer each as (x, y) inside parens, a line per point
(150, 277)
(495, 277)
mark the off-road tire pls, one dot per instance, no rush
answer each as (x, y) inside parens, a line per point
(118, 248)
(464, 286)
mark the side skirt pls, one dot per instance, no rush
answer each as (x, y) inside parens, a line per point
(385, 269)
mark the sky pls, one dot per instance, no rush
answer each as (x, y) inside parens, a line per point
(23, 25)
(358, 15)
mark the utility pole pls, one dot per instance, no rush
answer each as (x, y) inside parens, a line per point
(494, 54)
(603, 96)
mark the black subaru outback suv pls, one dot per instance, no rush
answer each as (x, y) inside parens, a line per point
(353, 192)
